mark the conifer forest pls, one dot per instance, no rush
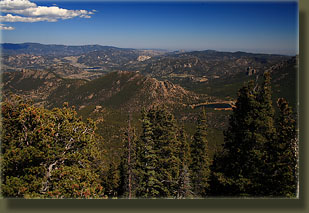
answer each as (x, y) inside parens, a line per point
(54, 153)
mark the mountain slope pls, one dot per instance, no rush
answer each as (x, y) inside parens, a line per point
(36, 85)
(116, 90)
(125, 90)
(205, 65)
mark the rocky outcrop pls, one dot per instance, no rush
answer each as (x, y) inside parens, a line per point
(143, 58)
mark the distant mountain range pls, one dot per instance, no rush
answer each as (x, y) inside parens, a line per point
(199, 71)
(63, 50)
(90, 61)
(49, 49)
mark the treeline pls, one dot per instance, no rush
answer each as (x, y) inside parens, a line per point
(54, 154)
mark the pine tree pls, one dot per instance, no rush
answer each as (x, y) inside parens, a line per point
(112, 179)
(184, 182)
(200, 165)
(232, 167)
(149, 183)
(244, 167)
(285, 154)
(167, 148)
(266, 137)
(158, 152)
(128, 167)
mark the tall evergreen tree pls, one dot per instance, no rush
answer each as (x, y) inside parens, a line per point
(243, 167)
(128, 164)
(285, 153)
(149, 183)
(167, 148)
(184, 181)
(158, 152)
(266, 132)
(232, 167)
(200, 165)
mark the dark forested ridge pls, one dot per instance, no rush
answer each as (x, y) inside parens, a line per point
(133, 123)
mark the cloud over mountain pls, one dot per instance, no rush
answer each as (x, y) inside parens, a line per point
(26, 11)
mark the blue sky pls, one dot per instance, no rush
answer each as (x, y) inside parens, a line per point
(229, 26)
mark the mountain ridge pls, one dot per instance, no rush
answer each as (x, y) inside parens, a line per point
(120, 89)
(92, 47)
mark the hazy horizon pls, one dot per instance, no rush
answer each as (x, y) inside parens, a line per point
(159, 49)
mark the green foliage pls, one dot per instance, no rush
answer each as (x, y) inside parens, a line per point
(184, 182)
(200, 161)
(111, 179)
(285, 153)
(27, 84)
(243, 149)
(224, 87)
(149, 183)
(48, 153)
(113, 90)
(257, 159)
(158, 155)
(285, 84)
(128, 165)
(55, 154)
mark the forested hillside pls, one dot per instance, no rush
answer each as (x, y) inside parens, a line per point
(54, 154)
(107, 122)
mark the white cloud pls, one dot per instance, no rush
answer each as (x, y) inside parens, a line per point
(3, 27)
(85, 16)
(7, 5)
(12, 18)
(53, 11)
(31, 12)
